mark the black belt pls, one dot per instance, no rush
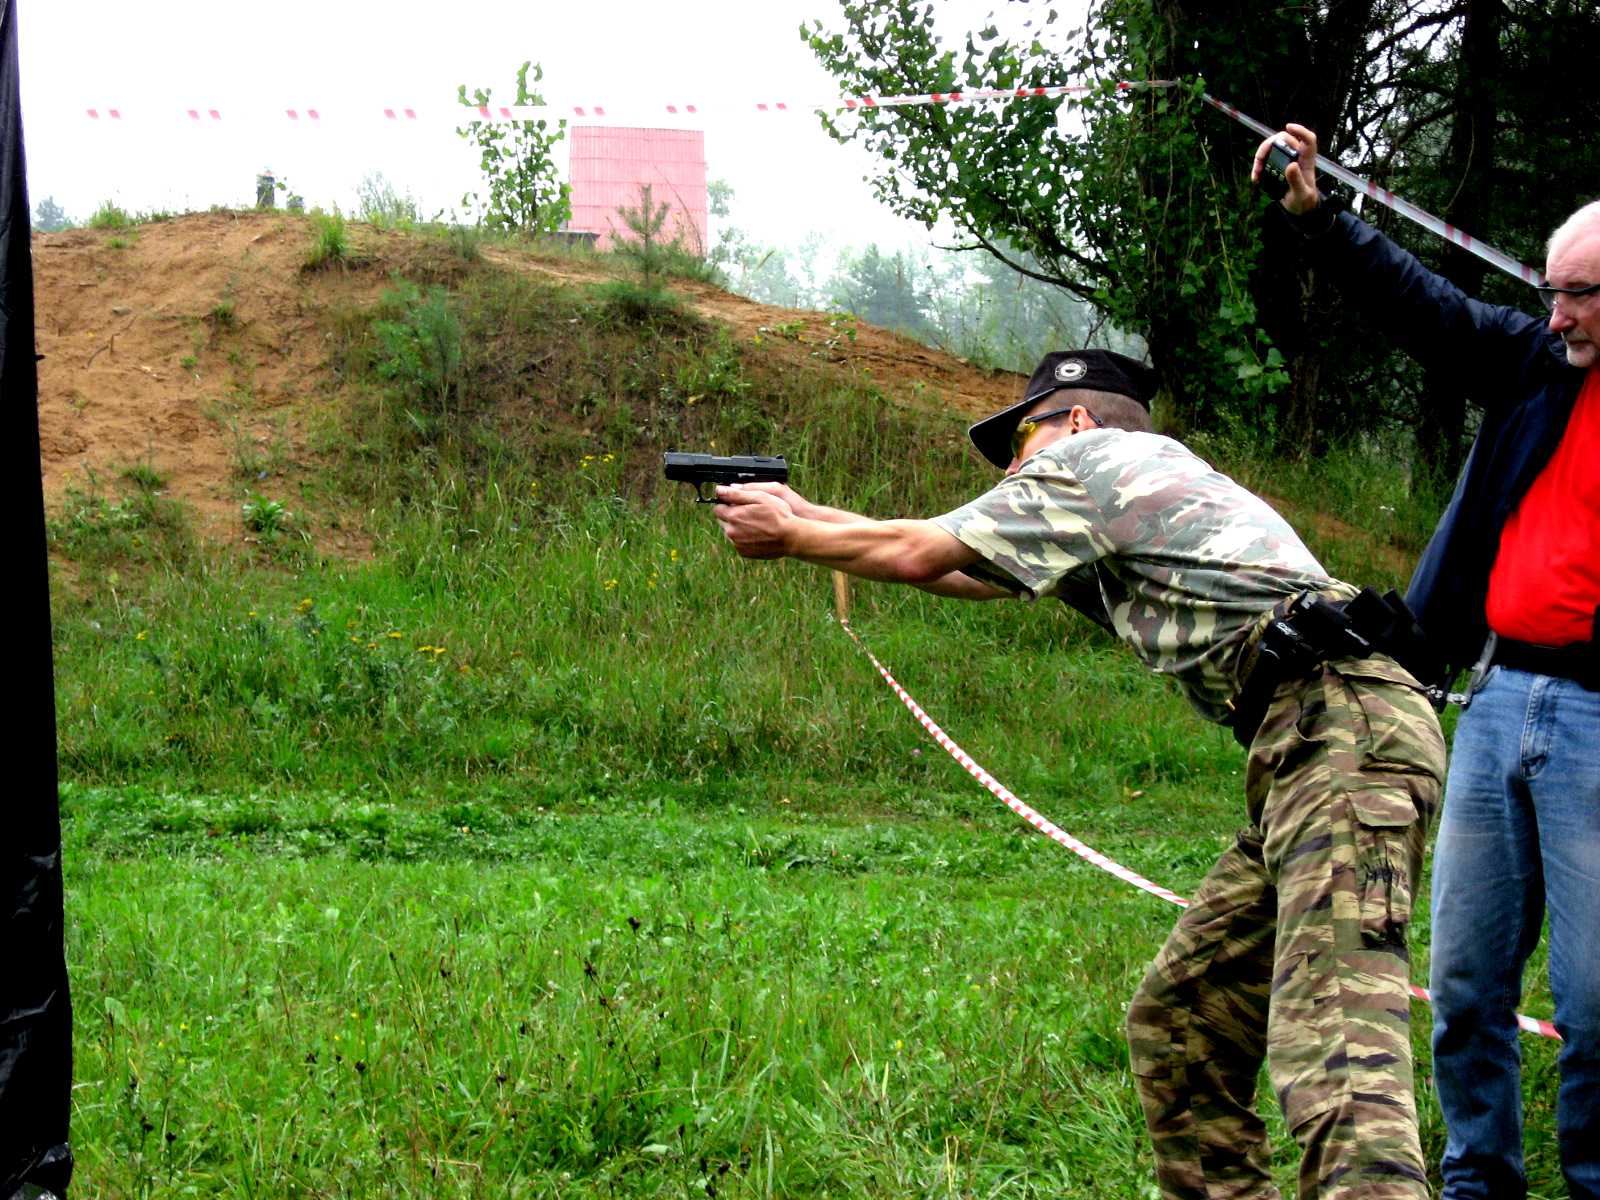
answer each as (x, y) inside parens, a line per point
(1579, 662)
(1309, 630)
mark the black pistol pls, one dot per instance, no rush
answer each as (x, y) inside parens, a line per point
(703, 469)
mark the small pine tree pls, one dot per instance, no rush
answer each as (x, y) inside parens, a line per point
(646, 223)
(48, 216)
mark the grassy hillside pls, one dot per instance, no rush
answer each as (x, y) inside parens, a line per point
(449, 813)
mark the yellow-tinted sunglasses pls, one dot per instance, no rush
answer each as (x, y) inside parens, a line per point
(1026, 426)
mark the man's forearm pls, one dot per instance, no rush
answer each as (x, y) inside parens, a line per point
(829, 516)
(958, 585)
(914, 552)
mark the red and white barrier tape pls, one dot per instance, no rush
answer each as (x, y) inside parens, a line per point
(1005, 795)
(534, 112)
(530, 112)
(1057, 834)
(1405, 208)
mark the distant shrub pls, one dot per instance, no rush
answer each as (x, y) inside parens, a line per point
(524, 188)
(378, 204)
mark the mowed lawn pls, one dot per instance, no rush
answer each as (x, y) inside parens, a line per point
(822, 991)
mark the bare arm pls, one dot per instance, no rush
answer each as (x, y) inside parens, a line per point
(958, 585)
(761, 524)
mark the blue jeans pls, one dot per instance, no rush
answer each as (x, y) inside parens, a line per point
(1520, 835)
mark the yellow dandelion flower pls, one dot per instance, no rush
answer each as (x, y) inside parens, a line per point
(394, 633)
(139, 637)
(610, 583)
(673, 554)
(305, 605)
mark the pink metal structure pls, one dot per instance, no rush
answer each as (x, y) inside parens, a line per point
(608, 165)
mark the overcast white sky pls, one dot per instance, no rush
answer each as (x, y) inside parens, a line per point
(252, 61)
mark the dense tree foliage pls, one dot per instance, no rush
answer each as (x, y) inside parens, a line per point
(884, 290)
(1114, 198)
(1137, 202)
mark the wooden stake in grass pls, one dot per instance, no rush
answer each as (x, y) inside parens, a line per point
(841, 597)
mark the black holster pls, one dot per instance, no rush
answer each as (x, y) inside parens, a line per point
(1313, 630)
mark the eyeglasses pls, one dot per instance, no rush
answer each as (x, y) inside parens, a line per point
(1026, 426)
(1550, 295)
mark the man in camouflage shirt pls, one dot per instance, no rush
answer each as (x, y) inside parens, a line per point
(1293, 950)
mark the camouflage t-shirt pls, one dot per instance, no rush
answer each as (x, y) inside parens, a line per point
(1138, 533)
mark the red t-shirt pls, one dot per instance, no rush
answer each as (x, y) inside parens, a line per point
(1545, 583)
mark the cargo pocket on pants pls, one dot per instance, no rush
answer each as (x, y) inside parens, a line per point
(1386, 823)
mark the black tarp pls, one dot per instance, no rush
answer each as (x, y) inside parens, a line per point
(35, 1011)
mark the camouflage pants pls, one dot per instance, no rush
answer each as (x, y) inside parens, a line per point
(1293, 950)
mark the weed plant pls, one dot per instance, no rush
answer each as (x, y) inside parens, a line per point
(141, 527)
(110, 216)
(330, 246)
(556, 851)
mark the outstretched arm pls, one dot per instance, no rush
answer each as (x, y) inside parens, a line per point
(761, 523)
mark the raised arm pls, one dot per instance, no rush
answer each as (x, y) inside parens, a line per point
(1488, 347)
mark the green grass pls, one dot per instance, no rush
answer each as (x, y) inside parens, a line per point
(561, 1025)
(556, 851)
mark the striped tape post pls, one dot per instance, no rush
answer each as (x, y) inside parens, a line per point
(1056, 834)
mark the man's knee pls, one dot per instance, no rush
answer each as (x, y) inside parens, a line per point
(1154, 1026)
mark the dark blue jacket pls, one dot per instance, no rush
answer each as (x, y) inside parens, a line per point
(1502, 359)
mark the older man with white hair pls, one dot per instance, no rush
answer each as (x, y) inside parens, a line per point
(1510, 585)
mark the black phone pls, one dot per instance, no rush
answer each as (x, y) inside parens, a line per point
(1279, 158)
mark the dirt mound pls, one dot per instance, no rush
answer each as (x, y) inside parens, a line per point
(198, 349)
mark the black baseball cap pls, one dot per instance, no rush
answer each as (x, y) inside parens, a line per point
(1064, 370)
